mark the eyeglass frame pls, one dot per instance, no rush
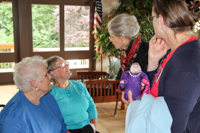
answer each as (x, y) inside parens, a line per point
(150, 18)
(61, 66)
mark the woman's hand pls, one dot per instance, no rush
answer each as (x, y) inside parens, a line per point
(157, 49)
(68, 131)
(130, 99)
(94, 122)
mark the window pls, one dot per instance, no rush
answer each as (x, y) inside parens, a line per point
(45, 30)
(77, 27)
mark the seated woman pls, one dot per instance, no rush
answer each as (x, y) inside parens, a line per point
(32, 109)
(76, 104)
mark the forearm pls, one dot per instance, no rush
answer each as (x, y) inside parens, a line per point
(152, 65)
(94, 121)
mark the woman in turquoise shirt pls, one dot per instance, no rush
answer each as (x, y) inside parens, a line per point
(76, 104)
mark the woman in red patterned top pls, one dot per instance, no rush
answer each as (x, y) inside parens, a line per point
(124, 34)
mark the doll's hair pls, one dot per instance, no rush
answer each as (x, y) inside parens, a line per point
(136, 63)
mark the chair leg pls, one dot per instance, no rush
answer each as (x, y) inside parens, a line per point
(122, 105)
(116, 104)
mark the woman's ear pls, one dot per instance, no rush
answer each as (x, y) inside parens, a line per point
(33, 83)
(161, 22)
(123, 38)
(125, 41)
(52, 73)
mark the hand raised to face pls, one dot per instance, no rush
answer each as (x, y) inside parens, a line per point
(157, 49)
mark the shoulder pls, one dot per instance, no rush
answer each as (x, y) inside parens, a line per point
(144, 45)
(76, 84)
(15, 108)
(186, 57)
(48, 97)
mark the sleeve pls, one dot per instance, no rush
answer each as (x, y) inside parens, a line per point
(181, 95)
(145, 81)
(151, 75)
(12, 125)
(92, 107)
(124, 77)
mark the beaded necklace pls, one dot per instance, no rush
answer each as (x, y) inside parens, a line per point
(135, 75)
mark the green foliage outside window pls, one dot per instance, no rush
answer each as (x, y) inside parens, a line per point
(6, 23)
(43, 24)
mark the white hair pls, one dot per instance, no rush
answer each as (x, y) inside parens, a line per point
(26, 70)
(124, 25)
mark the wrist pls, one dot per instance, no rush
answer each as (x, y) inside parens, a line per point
(152, 65)
(92, 125)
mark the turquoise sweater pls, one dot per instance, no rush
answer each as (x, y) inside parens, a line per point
(76, 104)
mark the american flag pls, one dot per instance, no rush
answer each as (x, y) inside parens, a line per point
(97, 22)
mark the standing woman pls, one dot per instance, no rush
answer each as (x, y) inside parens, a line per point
(32, 109)
(178, 78)
(76, 104)
(124, 34)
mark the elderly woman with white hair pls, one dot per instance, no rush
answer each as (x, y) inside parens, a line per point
(124, 34)
(32, 109)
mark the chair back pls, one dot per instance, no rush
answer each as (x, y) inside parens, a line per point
(102, 90)
(90, 74)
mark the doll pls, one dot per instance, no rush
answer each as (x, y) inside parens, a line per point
(136, 81)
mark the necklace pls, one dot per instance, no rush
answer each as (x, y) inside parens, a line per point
(134, 75)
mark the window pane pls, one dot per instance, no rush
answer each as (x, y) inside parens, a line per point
(7, 67)
(82, 63)
(45, 25)
(77, 27)
(6, 28)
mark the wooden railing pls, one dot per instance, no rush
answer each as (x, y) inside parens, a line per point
(6, 47)
(9, 47)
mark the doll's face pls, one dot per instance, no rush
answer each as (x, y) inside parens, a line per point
(135, 68)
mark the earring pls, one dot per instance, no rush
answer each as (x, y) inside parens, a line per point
(36, 89)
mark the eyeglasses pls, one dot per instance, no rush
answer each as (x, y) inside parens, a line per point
(150, 18)
(61, 66)
(46, 74)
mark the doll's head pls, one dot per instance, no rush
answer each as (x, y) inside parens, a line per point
(135, 68)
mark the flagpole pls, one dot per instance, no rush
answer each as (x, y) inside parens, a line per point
(101, 62)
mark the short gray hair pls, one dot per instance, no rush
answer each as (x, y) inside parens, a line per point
(51, 62)
(26, 70)
(124, 25)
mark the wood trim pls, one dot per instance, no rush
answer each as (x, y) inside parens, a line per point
(6, 78)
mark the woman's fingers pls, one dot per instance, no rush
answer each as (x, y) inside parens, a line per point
(130, 98)
(124, 100)
(153, 39)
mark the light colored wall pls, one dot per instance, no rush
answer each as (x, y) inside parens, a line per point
(107, 5)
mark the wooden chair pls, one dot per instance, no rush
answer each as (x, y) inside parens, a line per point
(103, 90)
(90, 74)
